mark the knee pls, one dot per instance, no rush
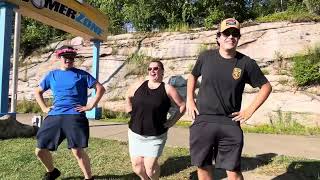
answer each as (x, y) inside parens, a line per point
(138, 167)
(205, 173)
(40, 152)
(234, 175)
(152, 171)
(78, 153)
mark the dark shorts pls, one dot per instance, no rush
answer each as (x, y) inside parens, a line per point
(214, 141)
(55, 129)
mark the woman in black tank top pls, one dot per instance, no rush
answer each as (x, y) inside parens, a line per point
(148, 103)
(149, 110)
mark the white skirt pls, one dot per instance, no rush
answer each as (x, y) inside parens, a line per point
(146, 146)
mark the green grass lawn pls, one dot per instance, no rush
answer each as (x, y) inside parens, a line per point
(110, 160)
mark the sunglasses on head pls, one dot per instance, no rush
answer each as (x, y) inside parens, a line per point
(233, 33)
(153, 68)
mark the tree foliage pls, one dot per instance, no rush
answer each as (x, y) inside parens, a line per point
(35, 35)
(114, 10)
(142, 14)
(150, 15)
(214, 17)
(313, 6)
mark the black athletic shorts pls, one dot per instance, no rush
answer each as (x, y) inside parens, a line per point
(215, 141)
(54, 129)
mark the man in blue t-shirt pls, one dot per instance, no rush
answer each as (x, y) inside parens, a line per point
(66, 118)
(216, 133)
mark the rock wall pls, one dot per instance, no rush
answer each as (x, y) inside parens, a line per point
(270, 44)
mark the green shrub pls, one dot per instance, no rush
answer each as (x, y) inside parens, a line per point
(26, 106)
(313, 6)
(109, 114)
(189, 69)
(203, 47)
(114, 50)
(171, 67)
(178, 27)
(35, 34)
(214, 17)
(137, 64)
(279, 61)
(292, 15)
(282, 123)
(283, 81)
(265, 71)
(117, 98)
(306, 68)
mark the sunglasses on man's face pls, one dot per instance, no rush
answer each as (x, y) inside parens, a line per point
(233, 33)
(153, 68)
(68, 60)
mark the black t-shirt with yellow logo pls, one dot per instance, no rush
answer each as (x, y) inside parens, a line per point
(223, 82)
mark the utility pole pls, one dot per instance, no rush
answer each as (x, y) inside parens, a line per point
(15, 63)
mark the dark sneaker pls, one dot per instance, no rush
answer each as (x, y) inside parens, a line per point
(52, 175)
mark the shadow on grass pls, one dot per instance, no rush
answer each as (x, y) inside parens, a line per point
(174, 165)
(247, 164)
(302, 170)
(131, 176)
(297, 170)
(171, 166)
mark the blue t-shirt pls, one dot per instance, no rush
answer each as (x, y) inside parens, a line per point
(69, 89)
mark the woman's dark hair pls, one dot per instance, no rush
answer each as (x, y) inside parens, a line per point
(159, 63)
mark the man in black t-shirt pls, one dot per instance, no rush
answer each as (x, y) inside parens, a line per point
(216, 133)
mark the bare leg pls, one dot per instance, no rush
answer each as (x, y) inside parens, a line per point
(234, 175)
(45, 157)
(205, 173)
(138, 167)
(83, 161)
(152, 167)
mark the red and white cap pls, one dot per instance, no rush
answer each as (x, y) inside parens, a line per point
(66, 51)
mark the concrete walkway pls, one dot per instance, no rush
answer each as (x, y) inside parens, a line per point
(255, 144)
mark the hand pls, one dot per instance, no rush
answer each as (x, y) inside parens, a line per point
(242, 116)
(47, 109)
(192, 109)
(80, 108)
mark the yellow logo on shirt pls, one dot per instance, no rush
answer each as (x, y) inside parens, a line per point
(236, 73)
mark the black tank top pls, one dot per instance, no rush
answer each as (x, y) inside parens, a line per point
(149, 110)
